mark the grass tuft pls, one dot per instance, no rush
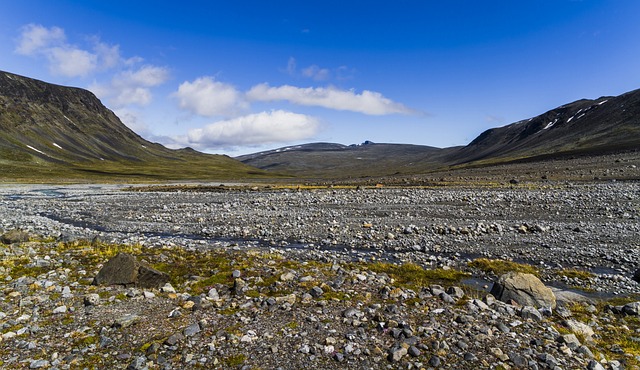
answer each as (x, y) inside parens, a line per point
(499, 267)
(412, 275)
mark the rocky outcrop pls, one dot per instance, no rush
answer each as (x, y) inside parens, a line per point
(524, 289)
(125, 269)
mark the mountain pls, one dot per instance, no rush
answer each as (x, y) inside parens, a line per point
(584, 127)
(51, 131)
(319, 160)
(603, 125)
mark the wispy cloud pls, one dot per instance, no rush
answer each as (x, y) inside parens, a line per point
(367, 102)
(35, 38)
(207, 97)
(317, 73)
(251, 130)
(132, 86)
(64, 58)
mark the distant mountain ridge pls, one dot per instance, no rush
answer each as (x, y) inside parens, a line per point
(603, 125)
(49, 131)
(52, 130)
(606, 124)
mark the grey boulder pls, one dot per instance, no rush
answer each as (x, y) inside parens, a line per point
(125, 269)
(524, 289)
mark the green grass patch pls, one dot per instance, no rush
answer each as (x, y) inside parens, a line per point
(576, 274)
(235, 360)
(500, 267)
(412, 275)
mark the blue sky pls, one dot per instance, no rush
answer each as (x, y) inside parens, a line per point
(244, 76)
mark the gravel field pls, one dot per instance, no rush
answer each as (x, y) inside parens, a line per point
(316, 293)
(590, 226)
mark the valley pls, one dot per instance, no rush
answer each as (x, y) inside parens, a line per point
(324, 276)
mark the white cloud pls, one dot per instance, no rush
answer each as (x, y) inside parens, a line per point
(108, 55)
(207, 97)
(34, 38)
(255, 129)
(64, 58)
(132, 95)
(131, 87)
(367, 102)
(147, 76)
(71, 62)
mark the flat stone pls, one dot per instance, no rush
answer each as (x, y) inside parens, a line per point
(287, 276)
(579, 327)
(530, 313)
(126, 321)
(174, 339)
(39, 364)
(191, 330)
(570, 340)
(60, 309)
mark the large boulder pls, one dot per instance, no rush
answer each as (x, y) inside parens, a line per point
(636, 276)
(524, 289)
(124, 269)
(14, 236)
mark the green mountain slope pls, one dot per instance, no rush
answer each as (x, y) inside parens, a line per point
(50, 132)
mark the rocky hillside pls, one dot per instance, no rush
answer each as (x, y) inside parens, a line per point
(335, 160)
(584, 127)
(48, 131)
(606, 124)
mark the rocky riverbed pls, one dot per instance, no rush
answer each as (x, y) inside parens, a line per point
(314, 277)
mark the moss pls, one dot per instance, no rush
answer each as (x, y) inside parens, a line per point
(576, 274)
(415, 276)
(228, 311)
(22, 266)
(252, 294)
(292, 325)
(224, 278)
(235, 360)
(86, 341)
(500, 267)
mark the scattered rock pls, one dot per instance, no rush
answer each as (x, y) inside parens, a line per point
(126, 321)
(91, 299)
(397, 353)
